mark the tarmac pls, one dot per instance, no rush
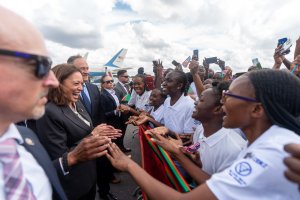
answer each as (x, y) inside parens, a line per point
(125, 190)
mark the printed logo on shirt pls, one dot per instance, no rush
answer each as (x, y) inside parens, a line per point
(243, 168)
(256, 160)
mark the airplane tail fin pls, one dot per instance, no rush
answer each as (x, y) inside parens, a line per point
(117, 60)
(86, 55)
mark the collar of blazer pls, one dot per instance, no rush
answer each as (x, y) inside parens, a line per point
(105, 92)
(75, 119)
(120, 87)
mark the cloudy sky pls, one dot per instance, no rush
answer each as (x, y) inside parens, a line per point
(234, 30)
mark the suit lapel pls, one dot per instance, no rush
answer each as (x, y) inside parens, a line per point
(33, 146)
(82, 111)
(110, 96)
(74, 118)
(124, 92)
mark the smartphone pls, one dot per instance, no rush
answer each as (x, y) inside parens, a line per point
(285, 48)
(211, 60)
(174, 62)
(192, 148)
(222, 64)
(195, 55)
(282, 41)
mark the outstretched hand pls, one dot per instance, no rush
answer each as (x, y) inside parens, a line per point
(107, 130)
(117, 158)
(160, 137)
(89, 148)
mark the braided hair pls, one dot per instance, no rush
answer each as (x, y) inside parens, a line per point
(182, 78)
(278, 91)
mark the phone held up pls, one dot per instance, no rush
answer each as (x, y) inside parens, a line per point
(285, 45)
(211, 60)
(195, 55)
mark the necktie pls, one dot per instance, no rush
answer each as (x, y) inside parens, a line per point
(15, 183)
(127, 88)
(86, 101)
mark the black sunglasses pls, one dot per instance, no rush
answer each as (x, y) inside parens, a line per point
(107, 82)
(43, 63)
(125, 76)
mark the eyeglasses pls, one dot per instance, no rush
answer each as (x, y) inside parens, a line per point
(42, 63)
(125, 76)
(107, 82)
(227, 93)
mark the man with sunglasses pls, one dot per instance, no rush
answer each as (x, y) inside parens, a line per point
(26, 169)
(122, 87)
(121, 90)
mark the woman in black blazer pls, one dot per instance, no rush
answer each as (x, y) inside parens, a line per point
(67, 133)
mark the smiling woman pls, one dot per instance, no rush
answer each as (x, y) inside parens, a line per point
(66, 132)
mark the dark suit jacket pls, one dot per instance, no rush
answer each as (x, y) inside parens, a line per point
(41, 156)
(60, 130)
(120, 91)
(97, 114)
(109, 105)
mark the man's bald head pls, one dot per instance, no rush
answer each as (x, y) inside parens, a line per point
(24, 94)
(18, 34)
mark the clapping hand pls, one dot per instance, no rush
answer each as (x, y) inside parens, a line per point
(107, 130)
(88, 148)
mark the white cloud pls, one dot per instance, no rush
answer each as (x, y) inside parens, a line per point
(233, 30)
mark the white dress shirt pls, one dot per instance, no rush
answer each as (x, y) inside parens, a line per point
(258, 172)
(178, 117)
(32, 171)
(219, 150)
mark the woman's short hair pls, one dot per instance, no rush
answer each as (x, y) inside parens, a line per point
(62, 72)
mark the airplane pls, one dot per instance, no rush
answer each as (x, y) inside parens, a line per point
(116, 62)
(111, 67)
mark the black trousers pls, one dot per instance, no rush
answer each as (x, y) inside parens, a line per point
(104, 175)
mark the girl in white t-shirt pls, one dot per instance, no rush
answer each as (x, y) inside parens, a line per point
(155, 115)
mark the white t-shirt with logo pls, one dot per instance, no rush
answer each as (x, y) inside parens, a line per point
(219, 150)
(258, 172)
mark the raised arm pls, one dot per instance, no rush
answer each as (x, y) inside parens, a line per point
(194, 68)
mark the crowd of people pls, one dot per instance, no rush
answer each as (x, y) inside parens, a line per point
(230, 136)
